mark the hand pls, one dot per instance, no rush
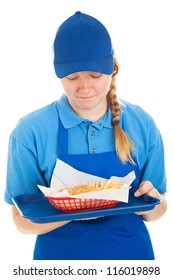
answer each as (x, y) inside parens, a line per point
(146, 187)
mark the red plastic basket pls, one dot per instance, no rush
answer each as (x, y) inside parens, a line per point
(68, 204)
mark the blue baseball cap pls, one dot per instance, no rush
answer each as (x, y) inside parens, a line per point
(82, 43)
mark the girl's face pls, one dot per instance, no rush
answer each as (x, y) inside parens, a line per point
(87, 92)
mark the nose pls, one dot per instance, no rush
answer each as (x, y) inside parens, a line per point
(84, 85)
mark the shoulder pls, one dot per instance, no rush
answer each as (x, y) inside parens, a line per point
(133, 117)
(140, 127)
(37, 122)
(41, 114)
(134, 110)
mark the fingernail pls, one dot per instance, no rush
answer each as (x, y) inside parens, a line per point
(137, 193)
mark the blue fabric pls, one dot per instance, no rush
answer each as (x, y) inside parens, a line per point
(121, 237)
(82, 43)
(29, 164)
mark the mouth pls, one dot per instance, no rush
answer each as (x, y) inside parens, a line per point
(86, 98)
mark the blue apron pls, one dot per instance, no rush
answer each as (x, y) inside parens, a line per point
(119, 237)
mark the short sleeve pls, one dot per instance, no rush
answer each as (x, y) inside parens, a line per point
(154, 167)
(32, 152)
(23, 172)
(148, 144)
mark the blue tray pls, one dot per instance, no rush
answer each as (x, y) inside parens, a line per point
(38, 209)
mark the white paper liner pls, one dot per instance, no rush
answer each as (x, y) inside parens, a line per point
(65, 176)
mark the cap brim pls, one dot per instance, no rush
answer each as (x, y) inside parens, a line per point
(102, 65)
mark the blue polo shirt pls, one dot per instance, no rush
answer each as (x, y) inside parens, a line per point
(33, 144)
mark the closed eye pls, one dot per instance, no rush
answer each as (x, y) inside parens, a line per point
(96, 76)
(72, 78)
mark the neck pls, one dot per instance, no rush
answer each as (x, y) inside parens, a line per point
(92, 114)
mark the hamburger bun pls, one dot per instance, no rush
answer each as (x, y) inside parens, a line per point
(92, 187)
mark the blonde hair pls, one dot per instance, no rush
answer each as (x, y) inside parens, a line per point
(123, 144)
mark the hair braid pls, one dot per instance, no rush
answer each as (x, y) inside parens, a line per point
(123, 145)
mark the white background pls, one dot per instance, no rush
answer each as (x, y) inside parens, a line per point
(142, 36)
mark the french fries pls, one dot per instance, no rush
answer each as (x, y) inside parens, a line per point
(112, 185)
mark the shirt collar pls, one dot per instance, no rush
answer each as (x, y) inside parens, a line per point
(105, 121)
(70, 119)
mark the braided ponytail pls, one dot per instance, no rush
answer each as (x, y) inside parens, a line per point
(123, 145)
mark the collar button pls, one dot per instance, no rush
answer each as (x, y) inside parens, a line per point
(94, 150)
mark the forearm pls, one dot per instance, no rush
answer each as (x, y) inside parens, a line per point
(27, 227)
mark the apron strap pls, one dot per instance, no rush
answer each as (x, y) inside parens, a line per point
(62, 138)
